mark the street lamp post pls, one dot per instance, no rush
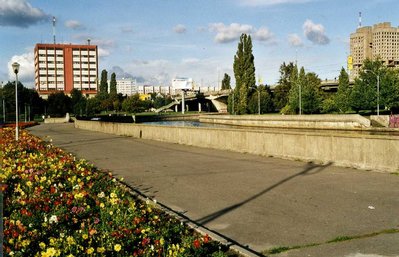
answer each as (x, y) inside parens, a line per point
(378, 90)
(258, 101)
(300, 99)
(15, 67)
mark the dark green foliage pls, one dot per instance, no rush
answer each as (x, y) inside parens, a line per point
(112, 86)
(93, 106)
(285, 83)
(133, 104)
(58, 104)
(226, 82)
(364, 92)
(342, 98)
(244, 72)
(26, 97)
(103, 92)
(266, 101)
(307, 90)
(78, 102)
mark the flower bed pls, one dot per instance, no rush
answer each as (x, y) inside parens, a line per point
(56, 205)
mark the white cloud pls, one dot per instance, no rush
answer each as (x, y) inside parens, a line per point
(103, 52)
(263, 34)
(315, 33)
(190, 61)
(73, 24)
(254, 3)
(26, 70)
(295, 40)
(180, 29)
(161, 71)
(232, 32)
(19, 13)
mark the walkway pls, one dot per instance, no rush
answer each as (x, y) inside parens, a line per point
(260, 202)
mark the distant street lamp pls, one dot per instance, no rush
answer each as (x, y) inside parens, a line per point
(378, 90)
(15, 68)
(300, 98)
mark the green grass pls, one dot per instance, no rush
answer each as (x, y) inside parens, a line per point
(280, 249)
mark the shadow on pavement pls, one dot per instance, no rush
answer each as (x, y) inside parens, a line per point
(310, 170)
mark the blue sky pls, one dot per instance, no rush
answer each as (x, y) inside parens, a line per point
(157, 40)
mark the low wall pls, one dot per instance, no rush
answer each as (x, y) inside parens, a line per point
(359, 150)
(291, 121)
(65, 119)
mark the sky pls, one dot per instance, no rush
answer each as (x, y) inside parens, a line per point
(155, 41)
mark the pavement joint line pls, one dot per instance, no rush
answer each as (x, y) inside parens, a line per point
(339, 239)
(229, 242)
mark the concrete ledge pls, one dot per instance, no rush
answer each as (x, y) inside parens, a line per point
(381, 120)
(65, 119)
(291, 121)
(358, 150)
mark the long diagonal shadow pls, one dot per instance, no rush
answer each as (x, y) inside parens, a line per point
(306, 171)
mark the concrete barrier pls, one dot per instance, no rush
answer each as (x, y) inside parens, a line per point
(291, 121)
(351, 149)
(65, 119)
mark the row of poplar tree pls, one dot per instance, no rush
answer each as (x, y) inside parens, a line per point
(376, 84)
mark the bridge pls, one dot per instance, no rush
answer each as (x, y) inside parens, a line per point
(218, 99)
(210, 101)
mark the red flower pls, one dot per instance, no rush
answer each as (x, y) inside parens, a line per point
(197, 243)
(206, 239)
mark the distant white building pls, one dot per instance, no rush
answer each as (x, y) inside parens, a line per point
(125, 86)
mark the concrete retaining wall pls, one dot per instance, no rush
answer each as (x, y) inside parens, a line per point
(65, 119)
(291, 121)
(376, 152)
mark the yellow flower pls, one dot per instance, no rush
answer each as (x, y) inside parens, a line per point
(85, 236)
(100, 249)
(102, 205)
(29, 184)
(70, 240)
(42, 245)
(117, 247)
(90, 250)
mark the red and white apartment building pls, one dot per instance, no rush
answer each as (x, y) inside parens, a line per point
(63, 67)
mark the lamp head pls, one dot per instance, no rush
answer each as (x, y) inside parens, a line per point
(15, 67)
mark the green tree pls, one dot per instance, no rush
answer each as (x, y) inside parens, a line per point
(389, 90)
(112, 86)
(103, 93)
(364, 92)
(133, 104)
(342, 98)
(307, 90)
(93, 106)
(266, 101)
(285, 83)
(226, 82)
(78, 102)
(244, 73)
(312, 97)
(27, 97)
(59, 104)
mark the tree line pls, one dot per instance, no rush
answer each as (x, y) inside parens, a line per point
(58, 103)
(300, 91)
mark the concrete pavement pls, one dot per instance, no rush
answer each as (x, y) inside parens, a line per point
(260, 202)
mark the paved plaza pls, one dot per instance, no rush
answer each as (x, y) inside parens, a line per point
(257, 201)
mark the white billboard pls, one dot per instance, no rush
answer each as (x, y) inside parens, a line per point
(182, 83)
